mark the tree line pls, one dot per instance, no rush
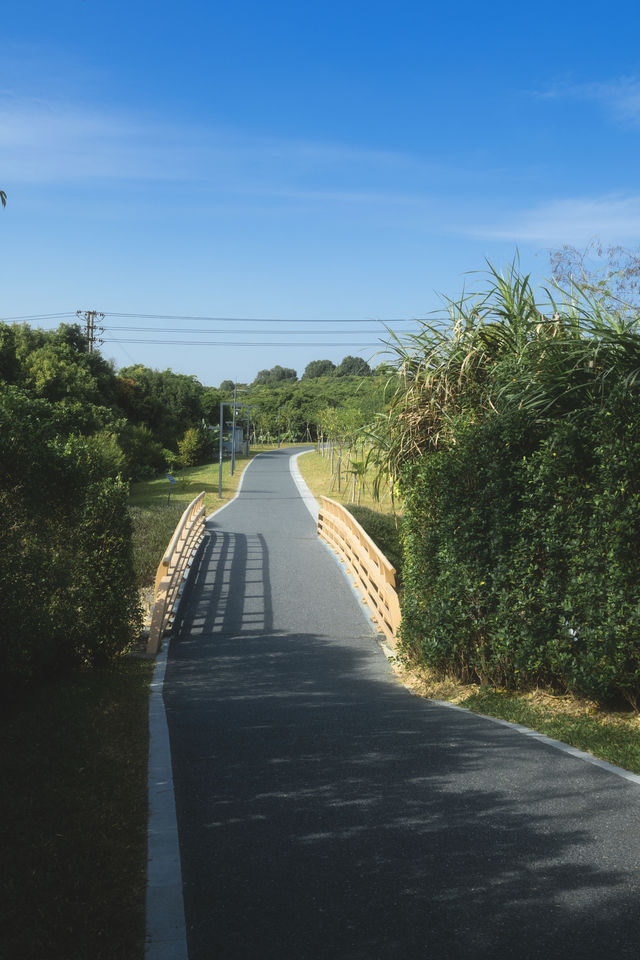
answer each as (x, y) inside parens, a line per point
(73, 433)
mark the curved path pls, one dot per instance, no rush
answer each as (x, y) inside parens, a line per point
(325, 812)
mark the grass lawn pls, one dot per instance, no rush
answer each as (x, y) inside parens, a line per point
(610, 734)
(74, 816)
(316, 470)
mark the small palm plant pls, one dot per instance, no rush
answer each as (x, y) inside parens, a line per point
(358, 470)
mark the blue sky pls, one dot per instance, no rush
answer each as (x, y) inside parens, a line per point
(302, 161)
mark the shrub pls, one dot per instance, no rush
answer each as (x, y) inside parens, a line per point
(384, 532)
(66, 560)
(145, 457)
(195, 447)
(522, 545)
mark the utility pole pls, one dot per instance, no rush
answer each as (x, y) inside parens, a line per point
(90, 327)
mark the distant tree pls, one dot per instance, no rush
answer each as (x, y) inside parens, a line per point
(210, 404)
(318, 368)
(610, 273)
(165, 401)
(353, 367)
(195, 446)
(276, 374)
(226, 386)
(385, 370)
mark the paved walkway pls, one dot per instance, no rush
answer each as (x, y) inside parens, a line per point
(325, 812)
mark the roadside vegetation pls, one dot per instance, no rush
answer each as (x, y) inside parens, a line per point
(515, 435)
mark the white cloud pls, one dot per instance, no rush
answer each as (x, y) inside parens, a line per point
(620, 97)
(613, 217)
(47, 142)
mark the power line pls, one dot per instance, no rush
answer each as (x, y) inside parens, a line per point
(361, 345)
(39, 316)
(161, 316)
(262, 332)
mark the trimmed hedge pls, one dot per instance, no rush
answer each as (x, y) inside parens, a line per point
(385, 534)
(522, 552)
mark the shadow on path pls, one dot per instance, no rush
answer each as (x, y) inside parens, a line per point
(327, 813)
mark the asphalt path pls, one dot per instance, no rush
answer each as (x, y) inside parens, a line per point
(326, 812)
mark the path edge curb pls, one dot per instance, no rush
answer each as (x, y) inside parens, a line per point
(166, 934)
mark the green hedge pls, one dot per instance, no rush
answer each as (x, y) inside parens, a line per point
(522, 553)
(384, 532)
(66, 559)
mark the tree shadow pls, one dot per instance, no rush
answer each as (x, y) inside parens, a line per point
(325, 812)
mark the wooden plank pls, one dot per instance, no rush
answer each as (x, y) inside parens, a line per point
(369, 566)
(184, 542)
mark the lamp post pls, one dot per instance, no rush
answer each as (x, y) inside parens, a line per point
(224, 404)
(220, 449)
(233, 441)
(232, 404)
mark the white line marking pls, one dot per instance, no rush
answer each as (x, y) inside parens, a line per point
(166, 929)
(308, 498)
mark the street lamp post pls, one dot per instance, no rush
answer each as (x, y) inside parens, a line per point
(233, 430)
(220, 449)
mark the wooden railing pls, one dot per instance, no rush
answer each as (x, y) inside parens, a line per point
(174, 569)
(371, 569)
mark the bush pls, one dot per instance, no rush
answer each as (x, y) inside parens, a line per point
(66, 560)
(522, 546)
(195, 447)
(145, 458)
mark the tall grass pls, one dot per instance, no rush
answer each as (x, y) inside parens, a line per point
(516, 433)
(553, 352)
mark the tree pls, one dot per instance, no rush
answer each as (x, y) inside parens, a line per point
(66, 554)
(318, 368)
(610, 273)
(167, 402)
(275, 375)
(195, 447)
(353, 367)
